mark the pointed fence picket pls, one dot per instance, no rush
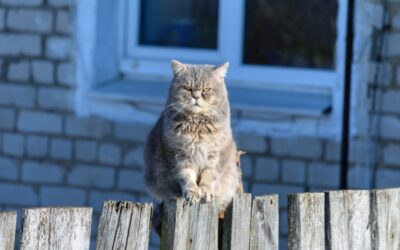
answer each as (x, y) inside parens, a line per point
(349, 219)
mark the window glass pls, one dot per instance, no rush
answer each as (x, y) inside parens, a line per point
(179, 23)
(290, 33)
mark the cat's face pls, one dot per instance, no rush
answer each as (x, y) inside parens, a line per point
(198, 89)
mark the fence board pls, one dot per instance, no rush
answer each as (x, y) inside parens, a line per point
(386, 218)
(306, 221)
(236, 228)
(8, 222)
(56, 228)
(349, 220)
(124, 225)
(187, 226)
(264, 227)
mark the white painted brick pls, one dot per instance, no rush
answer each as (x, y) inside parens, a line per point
(7, 118)
(132, 131)
(252, 142)
(391, 154)
(293, 171)
(390, 127)
(131, 180)
(391, 101)
(396, 20)
(30, 20)
(267, 169)
(281, 190)
(246, 164)
(398, 75)
(385, 76)
(61, 149)
(66, 74)
(2, 19)
(19, 44)
(8, 169)
(43, 71)
(50, 196)
(298, 147)
(42, 172)
(20, 96)
(17, 3)
(324, 175)
(19, 71)
(392, 41)
(13, 144)
(387, 178)
(135, 157)
(85, 150)
(36, 146)
(17, 194)
(109, 154)
(87, 127)
(60, 3)
(58, 47)
(91, 176)
(63, 24)
(359, 177)
(332, 151)
(56, 98)
(32, 121)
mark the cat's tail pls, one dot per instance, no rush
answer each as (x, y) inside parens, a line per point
(157, 217)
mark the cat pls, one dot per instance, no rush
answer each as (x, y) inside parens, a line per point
(190, 152)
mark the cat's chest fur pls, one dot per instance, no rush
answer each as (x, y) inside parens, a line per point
(199, 139)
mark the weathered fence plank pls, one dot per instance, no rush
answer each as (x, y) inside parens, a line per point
(124, 225)
(306, 215)
(349, 220)
(8, 222)
(264, 227)
(187, 226)
(56, 228)
(236, 228)
(386, 219)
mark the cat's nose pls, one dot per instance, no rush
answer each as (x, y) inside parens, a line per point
(196, 94)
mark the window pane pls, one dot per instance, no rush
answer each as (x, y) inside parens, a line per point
(290, 33)
(179, 23)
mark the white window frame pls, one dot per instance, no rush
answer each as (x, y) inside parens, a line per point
(152, 61)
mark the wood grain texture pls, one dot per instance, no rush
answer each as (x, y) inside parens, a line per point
(8, 222)
(306, 218)
(236, 227)
(124, 225)
(187, 226)
(385, 219)
(56, 228)
(264, 227)
(349, 220)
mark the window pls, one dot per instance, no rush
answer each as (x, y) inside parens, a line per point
(268, 43)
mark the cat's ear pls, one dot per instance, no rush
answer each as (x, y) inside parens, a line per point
(177, 67)
(221, 70)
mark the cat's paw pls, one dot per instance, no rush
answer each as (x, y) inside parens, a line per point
(207, 195)
(192, 196)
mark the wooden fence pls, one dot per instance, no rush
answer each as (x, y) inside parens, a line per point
(332, 220)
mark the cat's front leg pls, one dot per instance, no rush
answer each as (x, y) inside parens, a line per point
(207, 183)
(187, 177)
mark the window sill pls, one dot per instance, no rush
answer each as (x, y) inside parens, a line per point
(282, 102)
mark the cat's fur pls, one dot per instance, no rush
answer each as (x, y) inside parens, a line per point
(191, 152)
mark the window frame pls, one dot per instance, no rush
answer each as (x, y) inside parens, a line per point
(153, 62)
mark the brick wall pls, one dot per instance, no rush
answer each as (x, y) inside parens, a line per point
(49, 156)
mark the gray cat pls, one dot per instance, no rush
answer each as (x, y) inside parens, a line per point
(190, 151)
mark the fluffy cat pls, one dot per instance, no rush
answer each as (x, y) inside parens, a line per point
(190, 151)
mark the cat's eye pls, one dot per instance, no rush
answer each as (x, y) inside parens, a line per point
(187, 88)
(205, 90)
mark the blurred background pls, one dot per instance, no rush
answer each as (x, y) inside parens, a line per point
(83, 81)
